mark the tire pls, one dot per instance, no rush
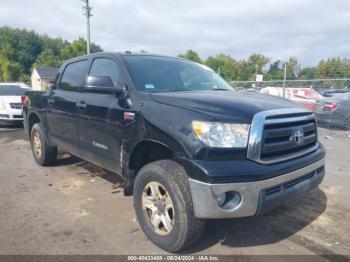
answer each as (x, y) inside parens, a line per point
(172, 182)
(43, 154)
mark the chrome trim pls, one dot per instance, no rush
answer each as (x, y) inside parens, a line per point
(204, 195)
(257, 129)
(290, 156)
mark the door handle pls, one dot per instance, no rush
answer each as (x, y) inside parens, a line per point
(81, 105)
(51, 101)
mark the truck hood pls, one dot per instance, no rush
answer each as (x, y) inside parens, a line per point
(238, 106)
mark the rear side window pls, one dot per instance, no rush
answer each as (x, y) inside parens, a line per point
(105, 67)
(73, 76)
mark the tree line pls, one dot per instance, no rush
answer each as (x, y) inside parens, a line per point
(21, 50)
(247, 69)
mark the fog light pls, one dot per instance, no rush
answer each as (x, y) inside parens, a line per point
(229, 200)
(221, 200)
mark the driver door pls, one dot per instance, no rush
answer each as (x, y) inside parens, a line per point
(100, 119)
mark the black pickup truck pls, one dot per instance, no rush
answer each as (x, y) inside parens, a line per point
(188, 146)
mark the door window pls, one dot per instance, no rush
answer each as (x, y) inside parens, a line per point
(105, 67)
(73, 76)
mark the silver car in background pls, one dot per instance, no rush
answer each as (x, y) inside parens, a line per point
(334, 111)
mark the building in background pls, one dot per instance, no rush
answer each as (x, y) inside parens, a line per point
(42, 77)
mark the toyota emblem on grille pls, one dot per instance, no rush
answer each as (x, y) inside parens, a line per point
(299, 136)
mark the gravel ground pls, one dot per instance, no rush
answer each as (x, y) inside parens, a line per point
(71, 209)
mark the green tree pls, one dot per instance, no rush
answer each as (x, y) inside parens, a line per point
(275, 71)
(191, 55)
(28, 47)
(255, 64)
(78, 48)
(21, 50)
(258, 62)
(9, 70)
(307, 73)
(18, 51)
(293, 68)
(226, 66)
(47, 58)
(54, 44)
(333, 68)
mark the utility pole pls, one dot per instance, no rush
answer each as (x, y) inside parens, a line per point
(284, 80)
(87, 13)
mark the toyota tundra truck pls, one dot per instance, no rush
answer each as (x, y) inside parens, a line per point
(188, 146)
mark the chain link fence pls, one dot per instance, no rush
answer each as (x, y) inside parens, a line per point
(328, 98)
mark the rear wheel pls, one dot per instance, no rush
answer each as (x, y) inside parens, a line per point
(43, 153)
(163, 206)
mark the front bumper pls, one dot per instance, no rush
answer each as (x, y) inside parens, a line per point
(255, 197)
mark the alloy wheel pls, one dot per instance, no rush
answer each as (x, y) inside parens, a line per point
(158, 208)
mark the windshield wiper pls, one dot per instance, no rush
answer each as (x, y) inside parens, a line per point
(221, 89)
(164, 91)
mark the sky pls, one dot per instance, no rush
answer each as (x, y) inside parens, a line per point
(307, 29)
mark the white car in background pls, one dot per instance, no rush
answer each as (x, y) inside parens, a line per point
(307, 97)
(11, 102)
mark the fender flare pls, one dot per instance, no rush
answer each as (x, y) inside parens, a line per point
(29, 115)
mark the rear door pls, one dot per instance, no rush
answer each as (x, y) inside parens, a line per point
(62, 106)
(100, 121)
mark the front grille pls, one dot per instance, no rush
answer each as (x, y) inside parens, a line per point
(282, 134)
(16, 105)
(17, 116)
(279, 139)
(294, 182)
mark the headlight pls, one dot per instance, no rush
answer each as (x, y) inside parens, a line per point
(223, 135)
(2, 105)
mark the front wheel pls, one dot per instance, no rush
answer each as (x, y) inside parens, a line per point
(163, 206)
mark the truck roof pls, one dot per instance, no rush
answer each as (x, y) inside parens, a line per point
(126, 53)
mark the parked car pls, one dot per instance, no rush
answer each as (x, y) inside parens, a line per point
(335, 111)
(188, 146)
(307, 97)
(11, 101)
(15, 84)
(331, 92)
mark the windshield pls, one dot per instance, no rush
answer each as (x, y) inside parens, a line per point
(162, 74)
(12, 90)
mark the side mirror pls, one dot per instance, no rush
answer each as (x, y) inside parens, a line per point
(103, 85)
